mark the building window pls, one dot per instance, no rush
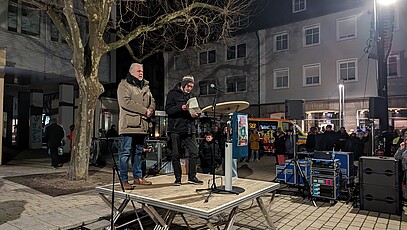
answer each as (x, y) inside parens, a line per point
(236, 84)
(54, 32)
(347, 70)
(180, 62)
(12, 15)
(236, 51)
(393, 66)
(30, 20)
(205, 87)
(25, 20)
(345, 28)
(281, 42)
(207, 57)
(299, 5)
(312, 74)
(281, 78)
(311, 35)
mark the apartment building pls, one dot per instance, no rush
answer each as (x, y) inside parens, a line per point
(304, 49)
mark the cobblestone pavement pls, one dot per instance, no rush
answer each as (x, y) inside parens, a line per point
(24, 208)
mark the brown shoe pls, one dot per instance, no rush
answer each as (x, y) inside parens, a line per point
(127, 186)
(142, 181)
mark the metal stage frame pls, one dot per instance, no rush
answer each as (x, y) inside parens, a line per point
(185, 200)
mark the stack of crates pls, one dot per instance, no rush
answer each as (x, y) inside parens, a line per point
(287, 173)
(325, 180)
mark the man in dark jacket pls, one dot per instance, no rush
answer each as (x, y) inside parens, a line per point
(181, 128)
(330, 139)
(343, 137)
(310, 143)
(136, 105)
(54, 134)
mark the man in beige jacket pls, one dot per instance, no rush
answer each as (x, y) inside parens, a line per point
(137, 105)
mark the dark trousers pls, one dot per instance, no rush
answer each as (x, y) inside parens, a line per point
(54, 156)
(187, 141)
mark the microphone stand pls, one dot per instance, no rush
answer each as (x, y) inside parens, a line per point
(213, 188)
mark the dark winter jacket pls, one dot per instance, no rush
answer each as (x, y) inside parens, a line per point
(134, 101)
(310, 144)
(343, 137)
(279, 145)
(54, 134)
(205, 153)
(356, 145)
(289, 144)
(330, 140)
(179, 121)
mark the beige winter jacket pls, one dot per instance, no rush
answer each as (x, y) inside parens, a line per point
(133, 103)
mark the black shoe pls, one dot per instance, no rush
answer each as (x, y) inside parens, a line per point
(177, 183)
(195, 181)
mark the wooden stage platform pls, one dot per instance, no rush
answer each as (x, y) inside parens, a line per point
(185, 199)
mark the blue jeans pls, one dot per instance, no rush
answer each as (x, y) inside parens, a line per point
(131, 148)
(234, 167)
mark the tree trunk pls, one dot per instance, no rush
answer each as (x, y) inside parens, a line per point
(84, 125)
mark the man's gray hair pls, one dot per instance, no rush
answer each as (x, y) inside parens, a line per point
(134, 65)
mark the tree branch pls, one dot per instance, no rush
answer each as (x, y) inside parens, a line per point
(163, 20)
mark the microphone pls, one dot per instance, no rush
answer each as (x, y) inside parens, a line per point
(213, 86)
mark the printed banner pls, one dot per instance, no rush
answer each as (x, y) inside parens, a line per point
(242, 128)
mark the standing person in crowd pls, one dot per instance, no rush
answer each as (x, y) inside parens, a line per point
(289, 144)
(401, 154)
(330, 139)
(137, 105)
(310, 144)
(207, 149)
(254, 141)
(403, 137)
(343, 136)
(279, 144)
(181, 128)
(356, 144)
(112, 132)
(216, 133)
(54, 133)
(70, 136)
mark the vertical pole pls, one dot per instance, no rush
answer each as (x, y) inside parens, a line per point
(381, 66)
(2, 73)
(228, 159)
(340, 105)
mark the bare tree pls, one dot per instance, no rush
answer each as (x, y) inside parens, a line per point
(150, 25)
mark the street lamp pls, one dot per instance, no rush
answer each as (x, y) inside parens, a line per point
(341, 104)
(382, 60)
(382, 68)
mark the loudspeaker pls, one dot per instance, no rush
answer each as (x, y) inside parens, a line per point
(377, 107)
(384, 171)
(380, 180)
(294, 109)
(386, 199)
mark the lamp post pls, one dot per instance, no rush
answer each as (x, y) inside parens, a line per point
(381, 64)
(382, 86)
(341, 104)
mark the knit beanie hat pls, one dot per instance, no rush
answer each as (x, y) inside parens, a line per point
(187, 79)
